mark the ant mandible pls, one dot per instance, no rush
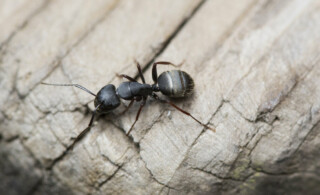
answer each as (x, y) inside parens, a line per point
(174, 84)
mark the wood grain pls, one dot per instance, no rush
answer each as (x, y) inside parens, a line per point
(255, 64)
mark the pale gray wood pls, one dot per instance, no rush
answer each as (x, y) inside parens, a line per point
(15, 14)
(255, 64)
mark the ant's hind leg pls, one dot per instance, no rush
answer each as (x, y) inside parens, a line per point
(183, 111)
(154, 69)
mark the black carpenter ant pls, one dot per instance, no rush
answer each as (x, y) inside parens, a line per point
(174, 83)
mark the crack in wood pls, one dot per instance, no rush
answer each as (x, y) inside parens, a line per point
(153, 177)
(23, 25)
(111, 176)
(166, 43)
(69, 148)
(171, 37)
(305, 138)
(57, 61)
(194, 142)
(34, 189)
(223, 178)
(260, 117)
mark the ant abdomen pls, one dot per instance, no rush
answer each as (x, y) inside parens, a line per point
(175, 84)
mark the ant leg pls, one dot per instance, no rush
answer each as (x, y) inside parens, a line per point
(140, 71)
(130, 78)
(137, 99)
(154, 69)
(127, 108)
(92, 117)
(138, 114)
(86, 130)
(183, 111)
(73, 85)
(127, 77)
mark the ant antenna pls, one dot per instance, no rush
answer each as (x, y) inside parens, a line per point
(73, 85)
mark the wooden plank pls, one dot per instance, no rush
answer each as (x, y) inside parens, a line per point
(127, 41)
(15, 14)
(43, 131)
(47, 38)
(273, 74)
(255, 66)
(179, 131)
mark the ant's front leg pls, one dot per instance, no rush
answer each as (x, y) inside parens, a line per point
(86, 130)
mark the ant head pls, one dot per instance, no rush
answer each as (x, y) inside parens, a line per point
(107, 99)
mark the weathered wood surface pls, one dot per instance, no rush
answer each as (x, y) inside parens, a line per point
(257, 72)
